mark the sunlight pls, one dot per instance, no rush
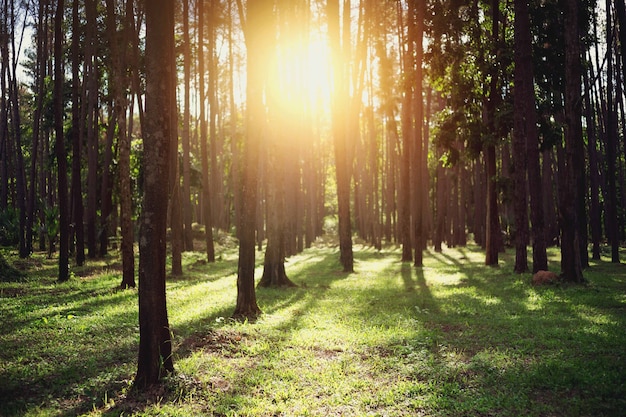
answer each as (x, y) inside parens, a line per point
(299, 79)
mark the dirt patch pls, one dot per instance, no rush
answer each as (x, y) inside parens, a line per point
(223, 342)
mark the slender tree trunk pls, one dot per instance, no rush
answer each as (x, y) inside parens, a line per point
(176, 215)
(404, 209)
(571, 267)
(529, 116)
(611, 145)
(520, 205)
(91, 81)
(120, 104)
(595, 219)
(493, 239)
(40, 74)
(155, 345)
(64, 272)
(186, 192)
(206, 192)
(77, 192)
(339, 109)
(421, 185)
(257, 35)
(20, 173)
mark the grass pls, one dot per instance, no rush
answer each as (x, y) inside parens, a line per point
(453, 338)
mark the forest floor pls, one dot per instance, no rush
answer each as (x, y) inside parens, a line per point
(454, 338)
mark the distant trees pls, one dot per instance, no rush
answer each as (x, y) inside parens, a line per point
(431, 123)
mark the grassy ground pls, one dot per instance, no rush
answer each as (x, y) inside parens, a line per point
(453, 338)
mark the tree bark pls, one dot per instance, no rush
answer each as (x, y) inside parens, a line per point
(77, 193)
(339, 110)
(64, 272)
(186, 191)
(611, 145)
(120, 104)
(493, 238)
(257, 36)
(206, 185)
(155, 347)
(529, 114)
(571, 267)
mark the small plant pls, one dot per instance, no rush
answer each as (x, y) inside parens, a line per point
(9, 227)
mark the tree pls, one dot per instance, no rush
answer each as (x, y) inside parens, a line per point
(611, 143)
(118, 48)
(257, 35)
(59, 80)
(340, 102)
(522, 64)
(186, 191)
(525, 91)
(571, 267)
(492, 241)
(155, 346)
(206, 187)
(77, 191)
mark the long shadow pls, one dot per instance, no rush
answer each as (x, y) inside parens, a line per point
(205, 333)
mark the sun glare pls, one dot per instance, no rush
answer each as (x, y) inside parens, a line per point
(300, 80)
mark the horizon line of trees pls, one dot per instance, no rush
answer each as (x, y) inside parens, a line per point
(503, 122)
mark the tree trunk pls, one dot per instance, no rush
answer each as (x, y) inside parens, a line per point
(64, 272)
(176, 215)
(91, 81)
(420, 186)
(77, 192)
(523, 67)
(257, 36)
(529, 113)
(595, 215)
(20, 173)
(155, 346)
(206, 192)
(186, 192)
(42, 58)
(571, 267)
(493, 238)
(339, 108)
(611, 146)
(120, 104)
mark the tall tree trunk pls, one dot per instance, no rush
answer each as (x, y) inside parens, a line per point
(528, 111)
(520, 205)
(77, 192)
(339, 109)
(493, 238)
(155, 345)
(571, 267)
(176, 215)
(206, 185)
(120, 104)
(595, 218)
(186, 192)
(64, 272)
(20, 173)
(404, 209)
(40, 74)
(91, 81)
(257, 36)
(611, 145)
(420, 186)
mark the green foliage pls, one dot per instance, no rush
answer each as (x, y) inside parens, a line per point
(9, 227)
(451, 338)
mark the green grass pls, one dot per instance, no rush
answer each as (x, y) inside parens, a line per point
(454, 338)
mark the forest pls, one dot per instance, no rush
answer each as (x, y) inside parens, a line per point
(294, 146)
